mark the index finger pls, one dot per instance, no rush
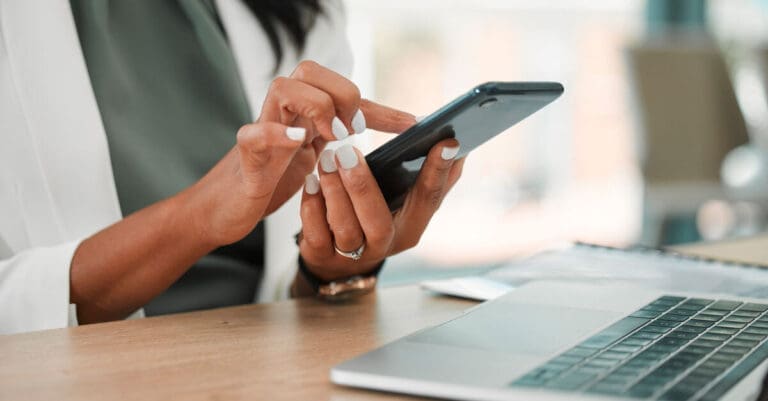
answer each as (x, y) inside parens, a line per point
(385, 119)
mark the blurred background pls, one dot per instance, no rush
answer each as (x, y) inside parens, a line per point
(660, 138)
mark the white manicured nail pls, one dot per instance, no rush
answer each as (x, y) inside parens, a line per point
(358, 122)
(449, 152)
(326, 161)
(296, 133)
(311, 184)
(347, 156)
(338, 129)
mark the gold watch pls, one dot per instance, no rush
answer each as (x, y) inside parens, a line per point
(341, 289)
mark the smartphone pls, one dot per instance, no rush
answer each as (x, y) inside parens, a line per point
(473, 119)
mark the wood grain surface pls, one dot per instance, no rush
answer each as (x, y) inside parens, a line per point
(280, 351)
(256, 352)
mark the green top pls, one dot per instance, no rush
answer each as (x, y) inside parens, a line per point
(171, 101)
(168, 90)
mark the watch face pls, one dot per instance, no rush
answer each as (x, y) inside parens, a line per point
(343, 290)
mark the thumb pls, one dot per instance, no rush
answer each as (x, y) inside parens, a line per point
(266, 150)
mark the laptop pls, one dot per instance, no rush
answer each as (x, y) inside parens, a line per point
(571, 341)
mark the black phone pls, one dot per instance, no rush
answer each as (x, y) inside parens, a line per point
(473, 118)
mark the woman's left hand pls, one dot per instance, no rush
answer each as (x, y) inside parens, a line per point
(346, 209)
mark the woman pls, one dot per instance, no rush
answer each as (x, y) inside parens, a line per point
(144, 109)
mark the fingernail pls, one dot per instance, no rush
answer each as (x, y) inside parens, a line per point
(338, 129)
(419, 118)
(326, 161)
(296, 133)
(347, 156)
(358, 122)
(449, 152)
(311, 184)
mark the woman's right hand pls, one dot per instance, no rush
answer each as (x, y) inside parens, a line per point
(300, 115)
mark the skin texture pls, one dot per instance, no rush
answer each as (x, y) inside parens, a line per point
(121, 268)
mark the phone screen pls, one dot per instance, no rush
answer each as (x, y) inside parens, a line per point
(473, 118)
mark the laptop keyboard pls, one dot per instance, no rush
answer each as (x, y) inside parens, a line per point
(674, 348)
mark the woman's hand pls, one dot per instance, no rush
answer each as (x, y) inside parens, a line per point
(329, 106)
(300, 115)
(122, 267)
(346, 209)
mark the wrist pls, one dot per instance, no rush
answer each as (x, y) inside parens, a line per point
(193, 215)
(351, 286)
(326, 274)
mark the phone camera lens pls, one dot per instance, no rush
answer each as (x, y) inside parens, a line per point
(488, 102)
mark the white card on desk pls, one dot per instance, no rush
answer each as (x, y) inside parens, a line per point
(474, 288)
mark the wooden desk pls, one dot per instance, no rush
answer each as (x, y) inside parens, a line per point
(260, 352)
(256, 352)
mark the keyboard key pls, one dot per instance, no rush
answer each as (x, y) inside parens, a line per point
(688, 307)
(616, 355)
(743, 343)
(714, 312)
(673, 317)
(746, 313)
(580, 352)
(706, 343)
(714, 337)
(645, 335)
(682, 334)
(690, 356)
(691, 329)
(724, 330)
(731, 325)
(738, 319)
(654, 329)
(746, 335)
(571, 381)
(756, 331)
(614, 332)
(699, 323)
(755, 307)
(725, 305)
(734, 349)
(724, 357)
(601, 362)
(672, 341)
(655, 308)
(663, 322)
(634, 342)
(698, 301)
(626, 348)
(646, 314)
(673, 299)
(711, 318)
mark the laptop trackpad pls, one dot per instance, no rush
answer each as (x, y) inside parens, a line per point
(518, 328)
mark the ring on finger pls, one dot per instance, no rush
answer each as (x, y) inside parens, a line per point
(354, 255)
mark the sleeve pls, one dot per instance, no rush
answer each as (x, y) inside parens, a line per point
(34, 289)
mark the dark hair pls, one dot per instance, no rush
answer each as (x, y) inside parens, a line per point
(296, 17)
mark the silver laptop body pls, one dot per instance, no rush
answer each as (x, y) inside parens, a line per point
(510, 348)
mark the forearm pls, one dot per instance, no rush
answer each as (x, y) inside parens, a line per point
(122, 267)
